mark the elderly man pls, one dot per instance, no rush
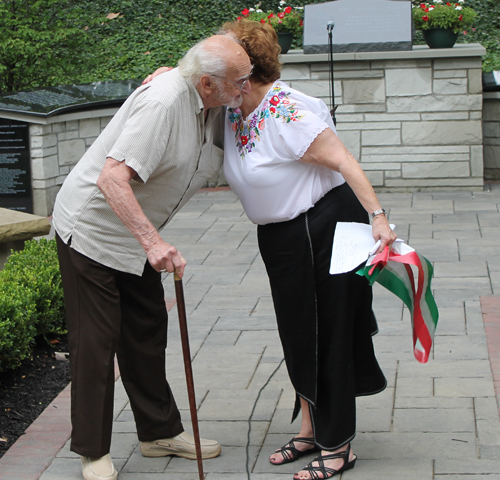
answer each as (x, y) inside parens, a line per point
(156, 152)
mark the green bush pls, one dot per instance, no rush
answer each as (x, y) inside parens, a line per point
(17, 330)
(36, 269)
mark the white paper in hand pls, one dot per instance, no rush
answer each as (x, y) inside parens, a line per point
(352, 244)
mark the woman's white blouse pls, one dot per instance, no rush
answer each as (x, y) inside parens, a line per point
(262, 155)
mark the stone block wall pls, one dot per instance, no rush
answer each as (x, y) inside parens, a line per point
(412, 118)
(56, 148)
(491, 135)
(414, 121)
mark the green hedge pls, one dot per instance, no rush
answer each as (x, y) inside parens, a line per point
(31, 300)
(54, 42)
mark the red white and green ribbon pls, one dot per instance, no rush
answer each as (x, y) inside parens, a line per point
(393, 270)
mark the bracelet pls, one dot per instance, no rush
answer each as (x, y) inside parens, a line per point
(378, 212)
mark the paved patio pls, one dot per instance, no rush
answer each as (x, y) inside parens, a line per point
(435, 421)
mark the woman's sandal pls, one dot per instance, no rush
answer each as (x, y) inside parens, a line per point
(290, 452)
(328, 472)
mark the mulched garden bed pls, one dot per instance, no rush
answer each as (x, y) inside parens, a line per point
(28, 390)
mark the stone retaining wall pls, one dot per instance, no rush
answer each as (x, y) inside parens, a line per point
(56, 148)
(413, 119)
(491, 135)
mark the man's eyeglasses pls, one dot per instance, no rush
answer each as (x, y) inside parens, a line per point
(241, 84)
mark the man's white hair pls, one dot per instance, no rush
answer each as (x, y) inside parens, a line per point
(205, 58)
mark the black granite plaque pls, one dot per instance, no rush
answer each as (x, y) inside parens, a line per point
(57, 100)
(15, 170)
(491, 81)
(359, 26)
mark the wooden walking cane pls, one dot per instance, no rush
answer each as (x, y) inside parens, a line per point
(181, 308)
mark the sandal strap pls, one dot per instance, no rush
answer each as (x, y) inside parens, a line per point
(327, 472)
(290, 451)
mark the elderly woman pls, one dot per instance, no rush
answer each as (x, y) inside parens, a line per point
(296, 180)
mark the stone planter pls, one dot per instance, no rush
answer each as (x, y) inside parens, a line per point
(285, 40)
(440, 37)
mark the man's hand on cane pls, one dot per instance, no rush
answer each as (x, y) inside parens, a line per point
(164, 257)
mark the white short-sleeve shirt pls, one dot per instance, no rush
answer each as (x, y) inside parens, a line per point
(161, 133)
(262, 155)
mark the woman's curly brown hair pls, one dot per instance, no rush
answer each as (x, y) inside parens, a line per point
(260, 41)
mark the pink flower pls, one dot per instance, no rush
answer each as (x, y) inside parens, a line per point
(281, 15)
(234, 126)
(262, 124)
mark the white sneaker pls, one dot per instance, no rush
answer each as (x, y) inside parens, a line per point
(98, 468)
(181, 445)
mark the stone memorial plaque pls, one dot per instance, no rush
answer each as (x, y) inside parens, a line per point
(56, 100)
(15, 170)
(359, 26)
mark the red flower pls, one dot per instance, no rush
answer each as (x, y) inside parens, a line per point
(426, 10)
(239, 18)
(281, 15)
(245, 12)
(273, 110)
(271, 15)
(274, 100)
(448, 3)
(301, 23)
(425, 18)
(457, 4)
(244, 139)
(288, 10)
(422, 6)
(460, 18)
(262, 20)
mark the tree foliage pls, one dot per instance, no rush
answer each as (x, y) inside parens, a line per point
(54, 42)
(41, 42)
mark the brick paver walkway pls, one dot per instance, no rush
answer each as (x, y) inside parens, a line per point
(435, 421)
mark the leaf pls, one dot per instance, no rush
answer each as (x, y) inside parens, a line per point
(112, 15)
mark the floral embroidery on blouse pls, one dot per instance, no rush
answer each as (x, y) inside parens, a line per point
(276, 104)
